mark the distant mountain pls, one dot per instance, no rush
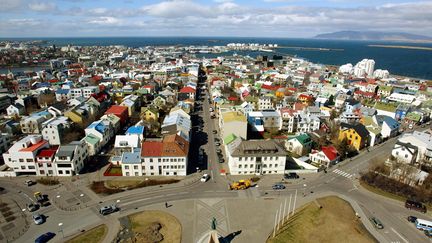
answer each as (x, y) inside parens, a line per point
(372, 35)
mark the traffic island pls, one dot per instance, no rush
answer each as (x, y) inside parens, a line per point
(150, 227)
(328, 219)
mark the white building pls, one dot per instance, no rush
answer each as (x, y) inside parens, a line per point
(69, 159)
(55, 129)
(256, 157)
(265, 103)
(415, 147)
(21, 157)
(364, 67)
(85, 92)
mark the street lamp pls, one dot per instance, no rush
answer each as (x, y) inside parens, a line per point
(61, 228)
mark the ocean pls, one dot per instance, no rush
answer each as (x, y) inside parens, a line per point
(404, 62)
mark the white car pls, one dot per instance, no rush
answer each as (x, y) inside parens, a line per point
(205, 178)
(38, 219)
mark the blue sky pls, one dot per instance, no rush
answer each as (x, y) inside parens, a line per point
(265, 18)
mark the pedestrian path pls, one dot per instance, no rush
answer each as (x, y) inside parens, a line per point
(342, 173)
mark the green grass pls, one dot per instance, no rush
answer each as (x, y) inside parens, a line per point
(94, 235)
(328, 219)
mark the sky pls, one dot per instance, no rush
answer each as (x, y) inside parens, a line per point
(237, 18)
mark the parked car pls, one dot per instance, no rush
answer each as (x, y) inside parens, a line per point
(108, 209)
(214, 131)
(38, 219)
(410, 204)
(291, 175)
(412, 219)
(45, 237)
(217, 144)
(32, 207)
(377, 223)
(428, 233)
(29, 182)
(278, 187)
(205, 178)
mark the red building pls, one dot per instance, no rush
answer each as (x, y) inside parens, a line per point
(119, 111)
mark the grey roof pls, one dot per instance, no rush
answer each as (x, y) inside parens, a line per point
(259, 148)
(66, 151)
(132, 157)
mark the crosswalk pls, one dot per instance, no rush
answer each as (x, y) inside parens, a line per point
(342, 173)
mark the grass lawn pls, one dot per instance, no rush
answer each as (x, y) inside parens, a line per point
(115, 170)
(122, 183)
(171, 227)
(95, 235)
(334, 222)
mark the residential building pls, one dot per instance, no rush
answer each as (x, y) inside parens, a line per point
(45, 162)
(299, 145)
(356, 135)
(15, 110)
(55, 129)
(121, 112)
(70, 159)
(33, 123)
(414, 148)
(325, 158)
(233, 122)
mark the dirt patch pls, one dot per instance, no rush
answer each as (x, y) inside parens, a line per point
(155, 226)
(329, 219)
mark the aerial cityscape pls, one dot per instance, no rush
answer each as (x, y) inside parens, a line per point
(215, 121)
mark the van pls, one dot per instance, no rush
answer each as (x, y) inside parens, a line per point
(410, 204)
(108, 209)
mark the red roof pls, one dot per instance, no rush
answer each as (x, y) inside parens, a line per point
(152, 149)
(305, 96)
(34, 147)
(269, 87)
(49, 152)
(187, 89)
(116, 109)
(330, 152)
(232, 98)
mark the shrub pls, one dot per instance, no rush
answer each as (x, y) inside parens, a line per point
(99, 188)
(255, 179)
(48, 181)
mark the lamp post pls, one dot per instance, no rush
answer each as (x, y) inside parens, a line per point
(61, 228)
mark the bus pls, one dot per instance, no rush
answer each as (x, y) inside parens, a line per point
(422, 224)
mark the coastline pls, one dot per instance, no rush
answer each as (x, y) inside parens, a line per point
(423, 48)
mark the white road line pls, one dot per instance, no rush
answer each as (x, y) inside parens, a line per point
(349, 176)
(406, 241)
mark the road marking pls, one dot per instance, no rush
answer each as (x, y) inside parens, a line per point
(406, 241)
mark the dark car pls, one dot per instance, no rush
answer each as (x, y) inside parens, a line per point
(412, 219)
(428, 233)
(45, 237)
(32, 207)
(278, 187)
(291, 175)
(214, 131)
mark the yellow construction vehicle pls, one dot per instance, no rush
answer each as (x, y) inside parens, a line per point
(240, 185)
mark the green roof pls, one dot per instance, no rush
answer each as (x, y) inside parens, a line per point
(386, 88)
(385, 107)
(373, 129)
(91, 139)
(228, 139)
(141, 91)
(413, 116)
(303, 138)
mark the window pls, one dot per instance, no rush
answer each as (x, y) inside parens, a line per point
(23, 167)
(270, 165)
(60, 172)
(67, 172)
(21, 160)
(126, 167)
(127, 173)
(42, 172)
(151, 167)
(50, 172)
(240, 159)
(136, 173)
(240, 166)
(31, 167)
(143, 167)
(406, 155)
(135, 167)
(151, 160)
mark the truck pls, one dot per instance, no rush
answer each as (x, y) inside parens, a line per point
(240, 185)
(41, 199)
(410, 204)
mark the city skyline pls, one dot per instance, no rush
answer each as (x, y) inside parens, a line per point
(266, 18)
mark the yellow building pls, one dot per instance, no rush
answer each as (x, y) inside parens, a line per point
(356, 135)
(149, 114)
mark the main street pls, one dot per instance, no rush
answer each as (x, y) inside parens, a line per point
(341, 180)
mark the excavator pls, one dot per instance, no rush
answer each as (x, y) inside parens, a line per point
(240, 185)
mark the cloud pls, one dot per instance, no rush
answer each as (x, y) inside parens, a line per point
(219, 17)
(8, 5)
(42, 6)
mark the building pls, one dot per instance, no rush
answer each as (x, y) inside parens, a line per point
(120, 111)
(21, 156)
(414, 148)
(55, 129)
(256, 157)
(33, 123)
(265, 102)
(356, 135)
(167, 156)
(15, 110)
(233, 122)
(45, 161)
(300, 145)
(326, 157)
(70, 159)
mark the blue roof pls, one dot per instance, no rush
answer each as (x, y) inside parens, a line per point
(40, 113)
(62, 91)
(132, 157)
(98, 126)
(135, 130)
(390, 122)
